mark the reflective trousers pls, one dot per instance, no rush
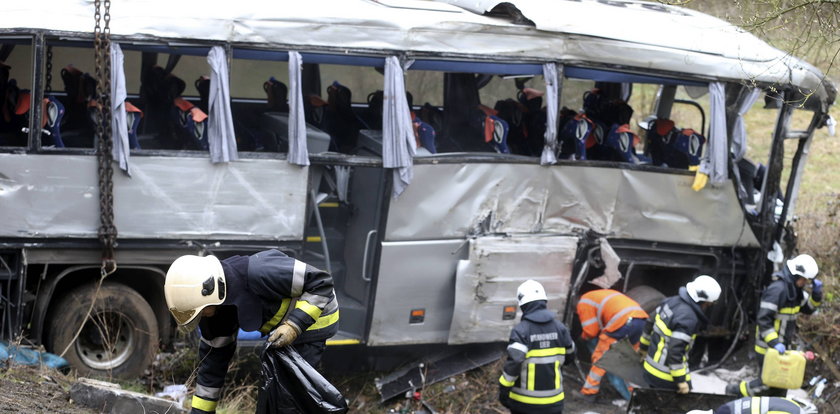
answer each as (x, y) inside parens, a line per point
(632, 330)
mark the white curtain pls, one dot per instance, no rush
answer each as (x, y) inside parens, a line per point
(552, 73)
(298, 152)
(398, 144)
(739, 131)
(626, 88)
(220, 133)
(714, 162)
(119, 123)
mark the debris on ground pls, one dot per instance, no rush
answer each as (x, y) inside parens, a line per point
(107, 397)
(20, 355)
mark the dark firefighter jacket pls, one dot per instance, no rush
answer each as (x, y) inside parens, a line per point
(263, 290)
(780, 303)
(669, 334)
(759, 405)
(539, 345)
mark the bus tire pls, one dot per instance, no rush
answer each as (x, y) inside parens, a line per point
(647, 297)
(123, 347)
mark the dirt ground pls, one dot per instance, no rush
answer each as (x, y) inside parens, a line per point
(33, 390)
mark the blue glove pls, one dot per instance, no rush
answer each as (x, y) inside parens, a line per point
(817, 287)
(780, 347)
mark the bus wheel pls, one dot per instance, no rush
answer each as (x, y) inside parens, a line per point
(647, 297)
(119, 339)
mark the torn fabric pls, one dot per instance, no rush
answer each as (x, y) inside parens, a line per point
(221, 136)
(119, 123)
(398, 143)
(739, 130)
(714, 163)
(552, 73)
(298, 152)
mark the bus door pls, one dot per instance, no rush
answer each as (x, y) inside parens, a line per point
(348, 184)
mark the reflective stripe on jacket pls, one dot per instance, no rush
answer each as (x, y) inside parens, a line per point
(669, 335)
(760, 405)
(606, 310)
(780, 302)
(539, 346)
(263, 290)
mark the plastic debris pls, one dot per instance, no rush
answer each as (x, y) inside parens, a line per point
(176, 392)
(25, 356)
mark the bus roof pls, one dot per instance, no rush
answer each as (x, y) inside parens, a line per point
(628, 35)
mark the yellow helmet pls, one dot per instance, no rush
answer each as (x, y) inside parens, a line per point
(192, 284)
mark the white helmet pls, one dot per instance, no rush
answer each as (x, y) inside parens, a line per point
(529, 291)
(700, 412)
(703, 289)
(192, 284)
(803, 266)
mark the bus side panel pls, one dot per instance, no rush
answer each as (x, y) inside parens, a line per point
(415, 276)
(165, 198)
(450, 200)
(486, 307)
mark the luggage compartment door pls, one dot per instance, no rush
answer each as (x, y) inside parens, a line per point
(486, 308)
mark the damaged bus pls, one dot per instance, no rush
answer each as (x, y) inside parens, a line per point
(431, 155)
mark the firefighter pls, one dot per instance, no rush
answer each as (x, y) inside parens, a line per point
(780, 302)
(292, 302)
(531, 380)
(670, 332)
(609, 316)
(755, 405)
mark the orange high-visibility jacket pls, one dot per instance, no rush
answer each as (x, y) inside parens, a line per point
(606, 310)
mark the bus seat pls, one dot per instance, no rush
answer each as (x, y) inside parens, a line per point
(576, 136)
(274, 132)
(191, 125)
(619, 144)
(133, 116)
(79, 121)
(495, 129)
(373, 114)
(513, 113)
(277, 95)
(202, 85)
(674, 147)
(342, 123)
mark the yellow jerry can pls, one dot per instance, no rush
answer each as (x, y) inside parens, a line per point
(783, 371)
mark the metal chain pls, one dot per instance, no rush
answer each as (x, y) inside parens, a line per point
(48, 83)
(102, 46)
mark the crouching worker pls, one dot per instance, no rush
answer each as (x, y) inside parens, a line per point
(292, 302)
(782, 300)
(608, 316)
(755, 405)
(531, 380)
(670, 332)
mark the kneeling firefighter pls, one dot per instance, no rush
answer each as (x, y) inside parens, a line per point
(531, 380)
(670, 332)
(292, 302)
(782, 300)
(755, 405)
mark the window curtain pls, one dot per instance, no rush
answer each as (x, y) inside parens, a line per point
(221, 137)
(714, 163)
(398, 144)
(739, 130)
(552, 73)
(298, 152)
(119, 122)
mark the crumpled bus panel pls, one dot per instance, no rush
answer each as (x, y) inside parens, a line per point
(457, 200)
(486, 283)
(165, 198)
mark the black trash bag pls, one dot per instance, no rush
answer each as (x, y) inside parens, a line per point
(291, 385)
